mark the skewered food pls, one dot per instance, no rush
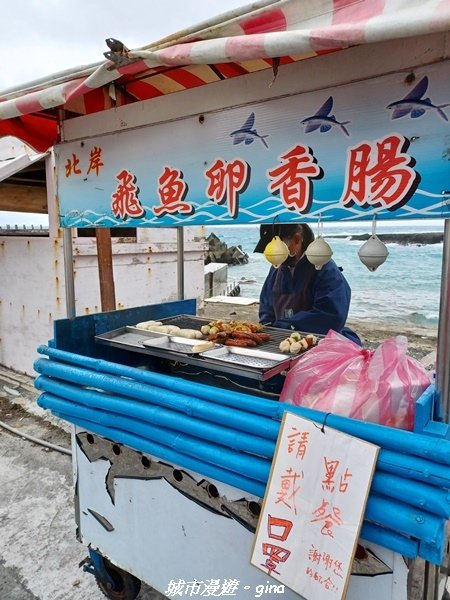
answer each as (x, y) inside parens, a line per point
(235, 333)
(285, 346)
(297, 343)
(220, 326)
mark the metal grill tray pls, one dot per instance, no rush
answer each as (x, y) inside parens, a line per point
(260, 363)
(127, 337)
(258, 359)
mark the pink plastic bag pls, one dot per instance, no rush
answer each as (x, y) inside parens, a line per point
(340, 377)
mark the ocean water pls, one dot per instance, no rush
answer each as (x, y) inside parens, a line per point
(405, 290)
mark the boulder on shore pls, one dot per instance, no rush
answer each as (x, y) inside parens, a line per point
(219, 252)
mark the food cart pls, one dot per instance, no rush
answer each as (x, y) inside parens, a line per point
(173, 448)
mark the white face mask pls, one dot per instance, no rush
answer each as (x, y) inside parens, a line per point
(292, 258)
(290, 254)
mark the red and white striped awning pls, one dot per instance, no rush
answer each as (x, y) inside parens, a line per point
(261, 36)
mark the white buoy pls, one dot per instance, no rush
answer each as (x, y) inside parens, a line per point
(319, 252)
(374, 252)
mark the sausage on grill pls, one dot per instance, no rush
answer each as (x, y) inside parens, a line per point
(240, 343)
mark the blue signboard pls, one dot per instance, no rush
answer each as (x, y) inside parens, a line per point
(377, 147)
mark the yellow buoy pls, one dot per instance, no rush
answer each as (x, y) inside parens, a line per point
(276, 252)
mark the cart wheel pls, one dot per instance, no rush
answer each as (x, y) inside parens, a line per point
(126, 586)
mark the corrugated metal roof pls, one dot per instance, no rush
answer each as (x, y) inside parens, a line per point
(262, 36)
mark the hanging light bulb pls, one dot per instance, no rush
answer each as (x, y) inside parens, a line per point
(276, 252)
(319, 251)
(373, 253)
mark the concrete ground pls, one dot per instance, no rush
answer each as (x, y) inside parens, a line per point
(39, 553)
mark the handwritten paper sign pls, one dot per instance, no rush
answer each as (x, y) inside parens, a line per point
(313, 508)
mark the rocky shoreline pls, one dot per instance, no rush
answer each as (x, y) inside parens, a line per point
(219, 252)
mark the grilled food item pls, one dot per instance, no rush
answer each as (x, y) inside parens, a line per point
(147, 324)
(158, 327)
(166, 329)
(203, 346)
(192, 334)
(215, 327)
(205, 330)
(235, 333)
(240, 343)
(297, 343)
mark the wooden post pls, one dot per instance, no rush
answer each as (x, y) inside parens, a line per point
(105, 269)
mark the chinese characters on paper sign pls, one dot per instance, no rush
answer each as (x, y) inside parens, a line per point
(279, 530)
(378, 174)
(313, 508)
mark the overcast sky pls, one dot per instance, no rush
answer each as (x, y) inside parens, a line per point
(42, 37)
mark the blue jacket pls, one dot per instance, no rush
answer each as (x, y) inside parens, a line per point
(307, 299)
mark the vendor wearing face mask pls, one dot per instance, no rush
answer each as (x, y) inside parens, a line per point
(297, 295)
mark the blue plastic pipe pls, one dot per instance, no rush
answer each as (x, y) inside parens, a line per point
(382, 510)
(435, 449)
(256, 467)
(405, 519)
(390, 539)
(164, 453)
(400, 464)
(426, 497)
(413, 467)
(236, 419)
(237, 440)
(417, 494)
(205, 392)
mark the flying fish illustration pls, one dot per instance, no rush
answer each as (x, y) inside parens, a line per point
(323, 121)
(414, 105)
(247, 133)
